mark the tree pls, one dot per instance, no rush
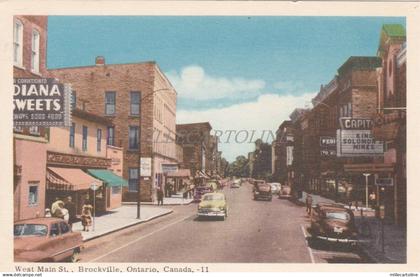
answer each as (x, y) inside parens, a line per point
(239, 167)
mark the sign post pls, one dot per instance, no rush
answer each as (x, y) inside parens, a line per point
(145, 171)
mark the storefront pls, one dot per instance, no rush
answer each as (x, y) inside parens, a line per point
(180, 178)
(112, 187)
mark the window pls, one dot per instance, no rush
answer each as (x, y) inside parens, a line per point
(35, 52)
(349, 109)
(116, 190)
(345, 110)
(34, 130)
(133, 179)
(54, 231)
(98, 139)
(17, 43)
(110, 102)
(73, 100)
(72, 130)
(84, 140)
(111, 136)
(133, 137)
(135, 103)
(390, 64)
(33, 194)
(64, 228)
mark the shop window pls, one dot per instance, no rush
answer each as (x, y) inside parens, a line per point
(35, 52)
(135, 103)
(17, 43)
(33, 194)
(111, 136)
(133, 179)
(84, 140)
(72, 131)
(133, 138)
(116, 190)
(110, 101)
(18, 129)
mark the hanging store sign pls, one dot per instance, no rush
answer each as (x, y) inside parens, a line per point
(328, 146)
(328, 152)
(166, 168)
(358, 143)
(41, 102)
(145, 167)
(349, 123)
(327, 142)
(289, 155)
(384, 182)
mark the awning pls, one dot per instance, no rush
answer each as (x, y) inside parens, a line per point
(70, 178)
(201, 174)
(180, 173)
(109, 178)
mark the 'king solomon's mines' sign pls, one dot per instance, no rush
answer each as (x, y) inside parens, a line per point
(41, 102)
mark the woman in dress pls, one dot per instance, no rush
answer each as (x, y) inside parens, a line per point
(86, 216)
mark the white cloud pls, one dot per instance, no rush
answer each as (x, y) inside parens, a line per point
(266, 113)
(194, 83)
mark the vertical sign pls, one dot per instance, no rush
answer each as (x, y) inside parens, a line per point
(289, 155)
(145, 167)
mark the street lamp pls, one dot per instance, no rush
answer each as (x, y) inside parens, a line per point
(367, 194)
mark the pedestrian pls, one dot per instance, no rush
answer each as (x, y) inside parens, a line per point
(372, 198)
(86, 216)
(47, 213)
(308, 204)
(57, 209)
(160, 196)
(170, 187)
(71, 207)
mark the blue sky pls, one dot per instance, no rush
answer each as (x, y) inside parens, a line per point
(223, 63)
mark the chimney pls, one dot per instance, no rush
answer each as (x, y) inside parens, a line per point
(100, 60)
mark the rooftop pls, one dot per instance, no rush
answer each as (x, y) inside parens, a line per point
(360, 63)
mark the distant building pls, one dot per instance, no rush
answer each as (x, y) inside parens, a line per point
(197, 147)
(283, 151)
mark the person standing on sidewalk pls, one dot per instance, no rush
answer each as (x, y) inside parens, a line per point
(308, 203)
(86, 216)
(71, 207)
(160, 196)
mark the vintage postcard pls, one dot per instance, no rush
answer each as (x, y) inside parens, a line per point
(203, 136)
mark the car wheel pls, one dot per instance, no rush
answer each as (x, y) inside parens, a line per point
(75, 257)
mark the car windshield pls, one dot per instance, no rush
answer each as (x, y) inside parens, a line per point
(30, 230)
(213, 197)
(338, 215)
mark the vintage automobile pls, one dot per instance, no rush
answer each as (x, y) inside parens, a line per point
(46, 239)
(262, 191)
(236, 183)
(275, 188)
(214, 184)
(333, 222)
(285, 192)
(213, 205)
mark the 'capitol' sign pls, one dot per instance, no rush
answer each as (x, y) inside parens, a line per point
(41, 102)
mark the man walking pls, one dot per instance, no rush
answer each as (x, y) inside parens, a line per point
(160, 196)
(71, 207)
(308, 203)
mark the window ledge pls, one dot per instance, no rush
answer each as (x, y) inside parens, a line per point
(36, 73)
(19, 66)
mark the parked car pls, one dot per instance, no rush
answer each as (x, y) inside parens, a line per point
(236, 183)
(285, 192)
(275, 188)
(262, 191)
(213, 205)
(46, 239)
(333, 222)
(214, 184)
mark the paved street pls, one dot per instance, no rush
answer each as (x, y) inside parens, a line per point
(255, 231)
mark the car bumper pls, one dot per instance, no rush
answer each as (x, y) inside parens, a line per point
(263, 197)
(341, 240)
(212, 214)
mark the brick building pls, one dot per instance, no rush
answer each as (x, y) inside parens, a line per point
(29, 61)
(141, 104)
(283, 153)
(390, 122)
(195, 139)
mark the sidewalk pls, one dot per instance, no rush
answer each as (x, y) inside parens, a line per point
(176, 199)
(371, 243)
(118, 219)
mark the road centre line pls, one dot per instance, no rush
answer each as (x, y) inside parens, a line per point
(307, 245)
(140, 238)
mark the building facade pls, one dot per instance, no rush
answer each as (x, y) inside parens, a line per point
(141, 104)
(29, 61)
